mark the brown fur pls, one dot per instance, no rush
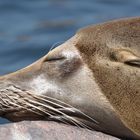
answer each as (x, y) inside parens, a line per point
(119, 81)
(61, 80)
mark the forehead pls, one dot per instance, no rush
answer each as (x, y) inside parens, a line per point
(120, 33)
(115, 25)
(123, 33)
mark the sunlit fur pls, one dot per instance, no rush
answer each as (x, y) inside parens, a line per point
(91, 81)
(112, 51)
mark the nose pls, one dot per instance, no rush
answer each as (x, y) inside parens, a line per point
(12, 91)
(22, 73)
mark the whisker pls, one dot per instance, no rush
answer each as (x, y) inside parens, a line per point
(18, 105)
(71, 107)
(67, 109)
(87, 116)
(58, 118)
(78, 123)
(48, 107)
(53, 46)
(47, 101)
(24, 100)
(39, 109)
(3, 100)
(55, 109)
(4, 105)
(75, 122)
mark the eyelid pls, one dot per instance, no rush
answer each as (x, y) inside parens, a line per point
(135, 62)
(49, 59)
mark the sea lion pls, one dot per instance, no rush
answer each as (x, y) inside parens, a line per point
(92, 81)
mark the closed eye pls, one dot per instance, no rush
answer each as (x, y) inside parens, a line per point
(126, 56)
(51, 59)
(135, 63)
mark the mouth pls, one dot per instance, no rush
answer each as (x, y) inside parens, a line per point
(17, 104)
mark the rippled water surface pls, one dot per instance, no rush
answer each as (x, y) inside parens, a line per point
(28, 28)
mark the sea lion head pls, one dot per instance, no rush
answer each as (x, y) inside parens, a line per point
(91, 80)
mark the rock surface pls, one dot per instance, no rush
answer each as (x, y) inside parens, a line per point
(42, 130)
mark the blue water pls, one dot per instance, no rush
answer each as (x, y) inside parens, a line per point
(28, 28)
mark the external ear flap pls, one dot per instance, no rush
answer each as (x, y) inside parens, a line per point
(126, 57)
